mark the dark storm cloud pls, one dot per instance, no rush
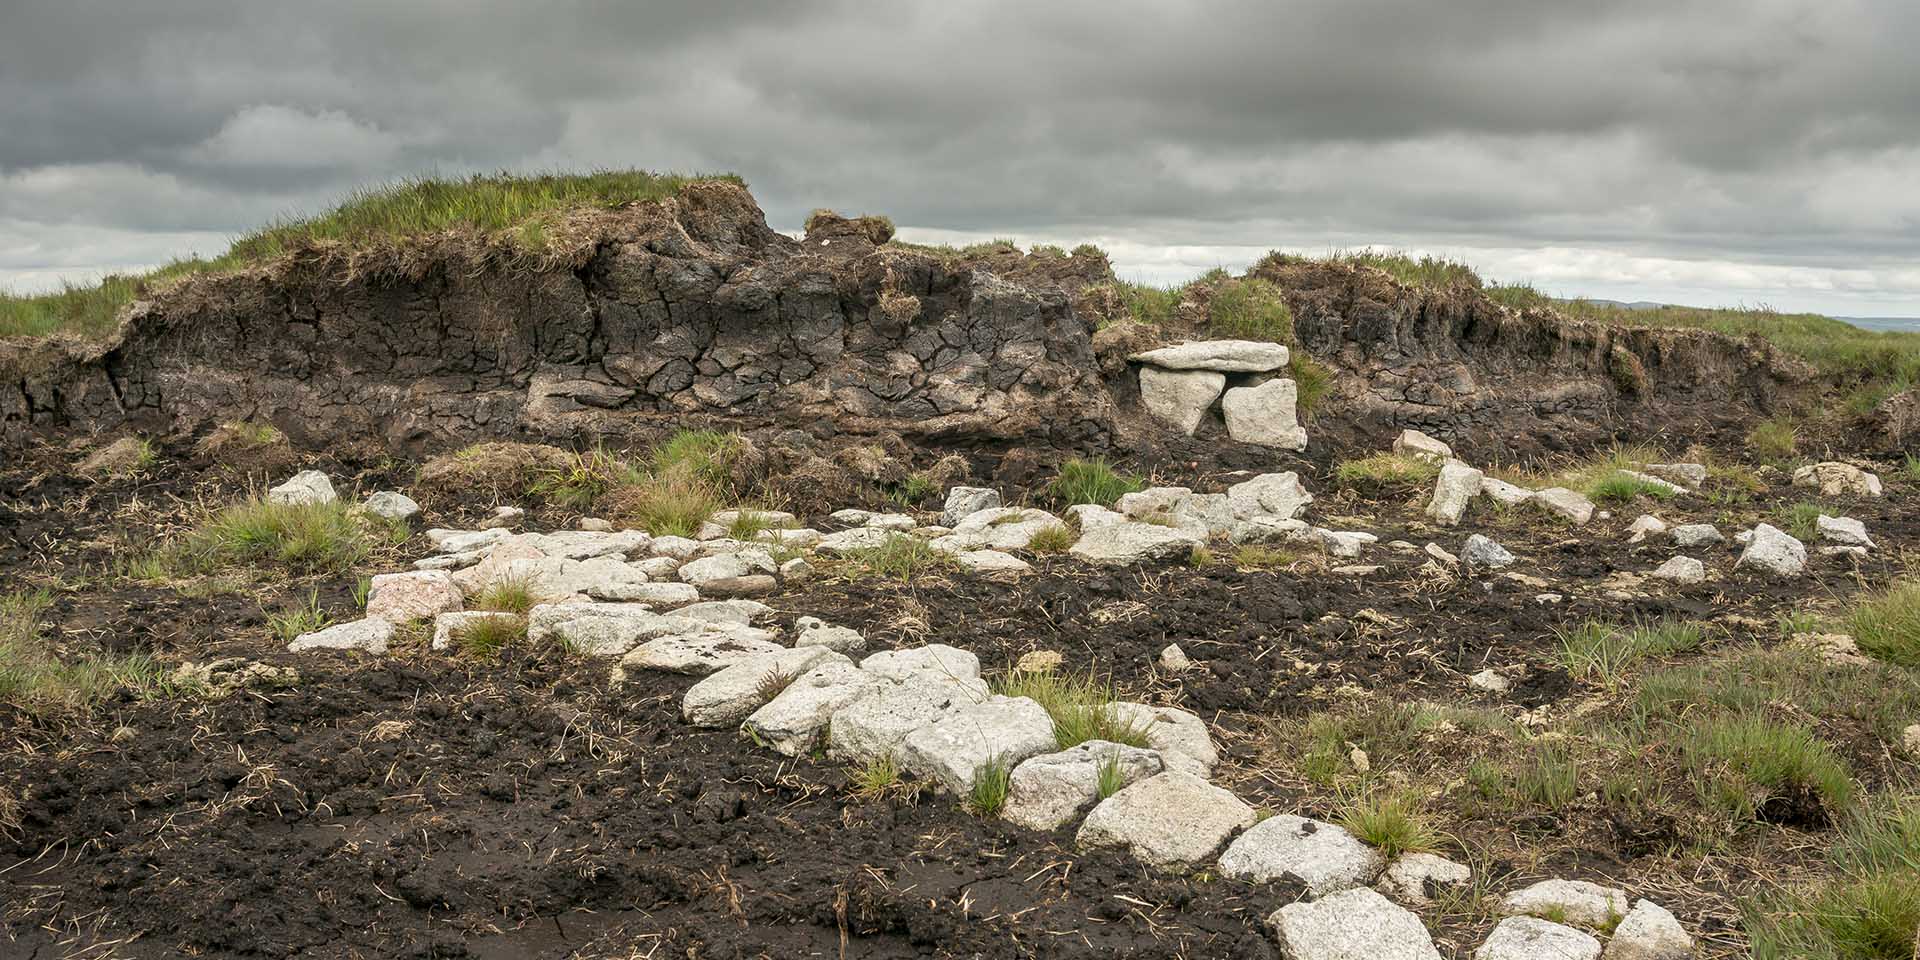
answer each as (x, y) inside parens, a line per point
(1781, 132)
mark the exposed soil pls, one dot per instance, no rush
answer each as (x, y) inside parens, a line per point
(431, 806)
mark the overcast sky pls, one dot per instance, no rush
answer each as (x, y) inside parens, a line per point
(1699, 151)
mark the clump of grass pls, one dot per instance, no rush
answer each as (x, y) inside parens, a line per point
(1081, 706)
(311, 538)
(301, 618)
(516, 211)
(707, 455)
(125, 457)
(1427, 271)
(1865, 910)
(1595, 649)
(900, 557)
(1388, 731)
(877, 778)
(1200, 556)
(910, 492)
(1882, 698)
(1092, 481)
(1800, 519)
(581, 480)
(1622, 487)
(671, 502)
(1390, 820)
(34, 678)
(507, 595)
(1550, 778)
(1260, 556)
(1058, 538)
(486, 637)
(1312, 380)
(1151, 304)
(1381, 471)
(1742, 761)
(1109, 776)
(1887, 625)
(240, 435)
(1774, 439)
(991, 782)
(1249, 309)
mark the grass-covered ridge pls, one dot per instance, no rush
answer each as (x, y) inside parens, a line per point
(517, 209)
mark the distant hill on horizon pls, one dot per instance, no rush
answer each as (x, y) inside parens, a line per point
(1869, 323)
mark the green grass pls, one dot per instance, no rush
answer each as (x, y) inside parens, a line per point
(709, 455)
(1393, 821)
(1800, 519)
(1593, 649)
(506, 595)
(1739, 761)
(1388, 731)
(1260, 556)
(34, 678)
(1081, 706)
(1092, 481)
(1620, 487)
(485, 638)
(1109, 776)
(1886, 625)
(1879, 699)
(876, 778)
(1380, 471)
(912, 491)
(581, 480)
(327, 539)
(295, 620)
(1866, 909)
(990, 783)
(1249, 309)
(1146, 303)
(516, 211)
(1774, 439)
(1549, 779)
(670, 502)
(1055, 539)
(1427, 272)
(900, 557)
(1312, 381)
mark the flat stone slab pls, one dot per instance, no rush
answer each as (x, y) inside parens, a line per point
(1575, 901)
(1531, 938)
(874, 727)
(1277, 495)
(1357, 924)
(935, 661)
(734, 692)
(992, 561)
(1566, 504)
(1004, 528)
(1051, 790)
(1689, 535)
(1182, 739)
(854, 540)
(952, 749)
(699, 654)
(739, 612)
(1170, 820)
(1323, 856)
(418, 595)
(1224, 356)
(370, 635)
(601, 629)
(1133, 542)
(1413, 443)
(793, 722)
(963, 501)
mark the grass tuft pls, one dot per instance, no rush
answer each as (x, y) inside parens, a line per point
(1743, 762)
(1886, 625)
(1249, 309)
(507, 595)
(295, 620)
(1058, 538)
(1594, 649)
(1380, 471)
(990, 785)
(34, 678)
(485, 638)
(1775, 439)
(1080, 705)
(1092, 481)
(901, 557)
(1390, 820)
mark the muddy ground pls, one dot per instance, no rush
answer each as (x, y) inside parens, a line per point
(425, 805)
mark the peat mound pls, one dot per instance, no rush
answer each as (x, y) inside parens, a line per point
(691, 307)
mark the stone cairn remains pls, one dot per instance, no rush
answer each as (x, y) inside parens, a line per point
(1179, 386)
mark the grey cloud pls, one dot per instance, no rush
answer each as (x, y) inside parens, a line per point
(1766, 130)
